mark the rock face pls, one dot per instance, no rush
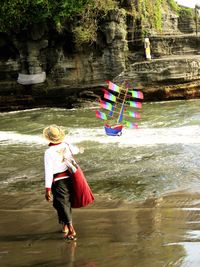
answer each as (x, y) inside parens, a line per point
(71, 74)
(174, 70)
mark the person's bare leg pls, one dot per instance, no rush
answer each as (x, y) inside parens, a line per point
(71, 234)
(65, 228)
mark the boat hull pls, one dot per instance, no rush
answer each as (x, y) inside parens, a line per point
(115, 130)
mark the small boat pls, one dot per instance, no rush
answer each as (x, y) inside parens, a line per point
(118, 103)
(115, 130)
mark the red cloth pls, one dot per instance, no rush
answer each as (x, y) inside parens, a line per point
(81, 193)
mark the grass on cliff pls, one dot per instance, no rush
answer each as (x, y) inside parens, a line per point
(83, 15)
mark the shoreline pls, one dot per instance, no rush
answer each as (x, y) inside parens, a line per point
(174, 92)
(155, 232)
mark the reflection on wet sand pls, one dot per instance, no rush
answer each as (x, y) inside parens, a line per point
(156, 232)
(69, 252)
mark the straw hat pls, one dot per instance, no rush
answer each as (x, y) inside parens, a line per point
(54, 134)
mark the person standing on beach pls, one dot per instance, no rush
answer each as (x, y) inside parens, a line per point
(57, 176)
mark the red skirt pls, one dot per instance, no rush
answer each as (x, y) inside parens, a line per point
(81, 193)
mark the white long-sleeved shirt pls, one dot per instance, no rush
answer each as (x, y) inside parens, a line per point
(54, 160)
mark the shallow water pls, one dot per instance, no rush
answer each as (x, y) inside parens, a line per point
(162, 155)
(144, 164)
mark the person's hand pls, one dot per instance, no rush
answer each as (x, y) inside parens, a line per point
(81, 150)
(48, 196)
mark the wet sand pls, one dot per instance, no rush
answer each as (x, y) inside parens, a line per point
(156, 232)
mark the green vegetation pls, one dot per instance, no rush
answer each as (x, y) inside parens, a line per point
(186, 12)
(157, 15)
(85, 30)
(149, 12)
(182, 11)
(17, 15)
(174, 6)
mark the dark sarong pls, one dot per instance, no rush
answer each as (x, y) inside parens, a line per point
(61, 200)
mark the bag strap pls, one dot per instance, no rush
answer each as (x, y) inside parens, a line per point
(71, 152)
(69, 149)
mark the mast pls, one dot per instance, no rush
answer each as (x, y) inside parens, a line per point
(124, 99)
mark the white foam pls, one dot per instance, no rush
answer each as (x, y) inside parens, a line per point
(138, 137)
(3, 114)
(9, 137)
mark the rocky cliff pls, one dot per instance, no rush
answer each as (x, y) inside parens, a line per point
(72, 73)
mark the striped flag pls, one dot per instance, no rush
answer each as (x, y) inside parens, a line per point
(136, 94)
(113, 86)
(106, 105)
(133, 114)
(134, 104)
(109, 96)
(131, 125)
(101, 115)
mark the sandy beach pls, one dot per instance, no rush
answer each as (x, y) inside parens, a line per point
(156, 232)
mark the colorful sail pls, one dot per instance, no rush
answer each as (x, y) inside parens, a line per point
(131, 125)
(113, 87)
(136, 94)
(109, 96)
(106, 105)
(134, 104)
(101, 115)
(133, 114)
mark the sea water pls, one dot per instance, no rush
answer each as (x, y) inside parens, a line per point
(162, 155)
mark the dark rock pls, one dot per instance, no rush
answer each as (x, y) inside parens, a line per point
(118, 54)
